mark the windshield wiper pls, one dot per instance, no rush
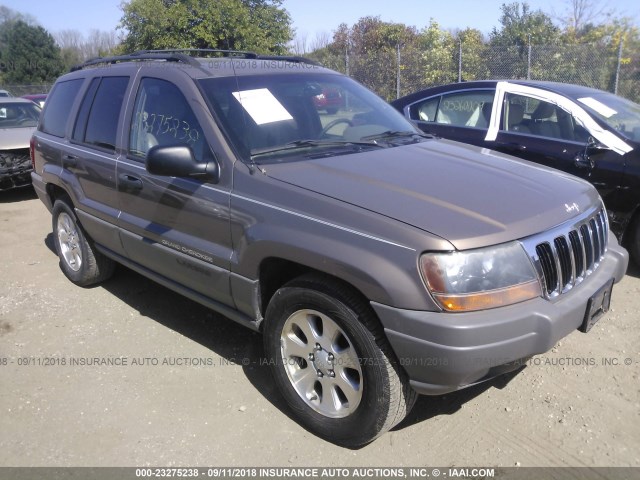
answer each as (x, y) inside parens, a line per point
(390, 134)
(312, 144)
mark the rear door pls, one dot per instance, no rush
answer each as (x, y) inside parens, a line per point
(91, 157)
(461, 115)
(177, 228)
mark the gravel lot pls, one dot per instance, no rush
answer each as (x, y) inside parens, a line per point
(194, 392)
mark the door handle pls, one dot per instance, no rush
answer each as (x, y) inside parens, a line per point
(583, 160)
(513, 146)
(129, 183)
(69, 160)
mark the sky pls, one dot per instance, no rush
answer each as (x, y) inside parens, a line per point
(313, 17)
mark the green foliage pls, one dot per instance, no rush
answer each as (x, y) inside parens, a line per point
(474, 56)
(439, 57)
(257, 25)
(520, 26)
(29, 54)
(368, 51)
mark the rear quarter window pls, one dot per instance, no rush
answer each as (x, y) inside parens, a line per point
(58, 108)
(97, 122)
(466, 109)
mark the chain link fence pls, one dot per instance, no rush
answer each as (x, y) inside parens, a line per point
(19, 90)
(395, 72)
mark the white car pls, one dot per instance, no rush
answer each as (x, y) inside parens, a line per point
(18, 120)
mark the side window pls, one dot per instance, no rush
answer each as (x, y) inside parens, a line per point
(162, 116)
(544, 119)
(466, 109)
(97, 122)
(424, 111)
(59, 103)
(83, 114)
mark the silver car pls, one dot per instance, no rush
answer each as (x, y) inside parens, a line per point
(18, 120)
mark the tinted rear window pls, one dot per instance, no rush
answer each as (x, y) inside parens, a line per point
(59, 103)
(102, 124)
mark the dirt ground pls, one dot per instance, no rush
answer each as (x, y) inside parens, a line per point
(194, 393)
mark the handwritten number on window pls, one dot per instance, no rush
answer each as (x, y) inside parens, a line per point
(157, 124)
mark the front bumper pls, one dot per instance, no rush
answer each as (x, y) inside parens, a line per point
(444, 352)
(15, 177)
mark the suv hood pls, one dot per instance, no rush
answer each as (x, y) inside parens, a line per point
(469, 196)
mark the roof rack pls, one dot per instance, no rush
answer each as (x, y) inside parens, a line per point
(137, 56)
(226, 53)
(181, 55)
(237, 53)
(285, 58)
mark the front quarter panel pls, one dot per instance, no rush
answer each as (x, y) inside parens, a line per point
(377, 255)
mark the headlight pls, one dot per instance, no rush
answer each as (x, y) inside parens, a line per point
(480, 279)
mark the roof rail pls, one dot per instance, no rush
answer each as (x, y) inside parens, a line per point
(286, 58)
(226, 53)
(238, 53)
(180, 55)
(137, 56)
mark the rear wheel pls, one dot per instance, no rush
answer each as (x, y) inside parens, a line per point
(79, 260)
(332, 363)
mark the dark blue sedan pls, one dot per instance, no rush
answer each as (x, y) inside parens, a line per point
(587, 132)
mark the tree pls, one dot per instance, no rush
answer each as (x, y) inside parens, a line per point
(368, 52)
(521, 26)
(474, 54)
(75, 48)
(301, 45)
(439, 55)
(580, 14)
(260, 25)
(70, 43)
(7, 16)
(29, 54)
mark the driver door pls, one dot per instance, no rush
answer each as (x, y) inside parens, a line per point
(544, 132)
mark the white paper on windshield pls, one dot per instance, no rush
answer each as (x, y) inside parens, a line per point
(599, 107)
(262, 106)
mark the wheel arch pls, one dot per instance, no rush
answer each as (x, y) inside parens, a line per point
(56, 192)
(275, 272)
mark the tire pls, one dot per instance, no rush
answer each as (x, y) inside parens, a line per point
(79, 260)
(332, 363)
(332, 110)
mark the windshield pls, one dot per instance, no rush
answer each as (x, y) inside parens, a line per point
(294, 116)
(619, 113)
(15, 115)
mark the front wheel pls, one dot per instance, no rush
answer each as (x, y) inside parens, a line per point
(79, 260)
(332, 363)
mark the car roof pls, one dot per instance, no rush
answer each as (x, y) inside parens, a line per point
(205, 66)
(6, 100)
(566, 89)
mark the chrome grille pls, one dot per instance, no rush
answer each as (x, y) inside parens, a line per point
(566, 255)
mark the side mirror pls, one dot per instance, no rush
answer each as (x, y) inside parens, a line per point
(595, 145)
(585, 159)
(178, 161)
